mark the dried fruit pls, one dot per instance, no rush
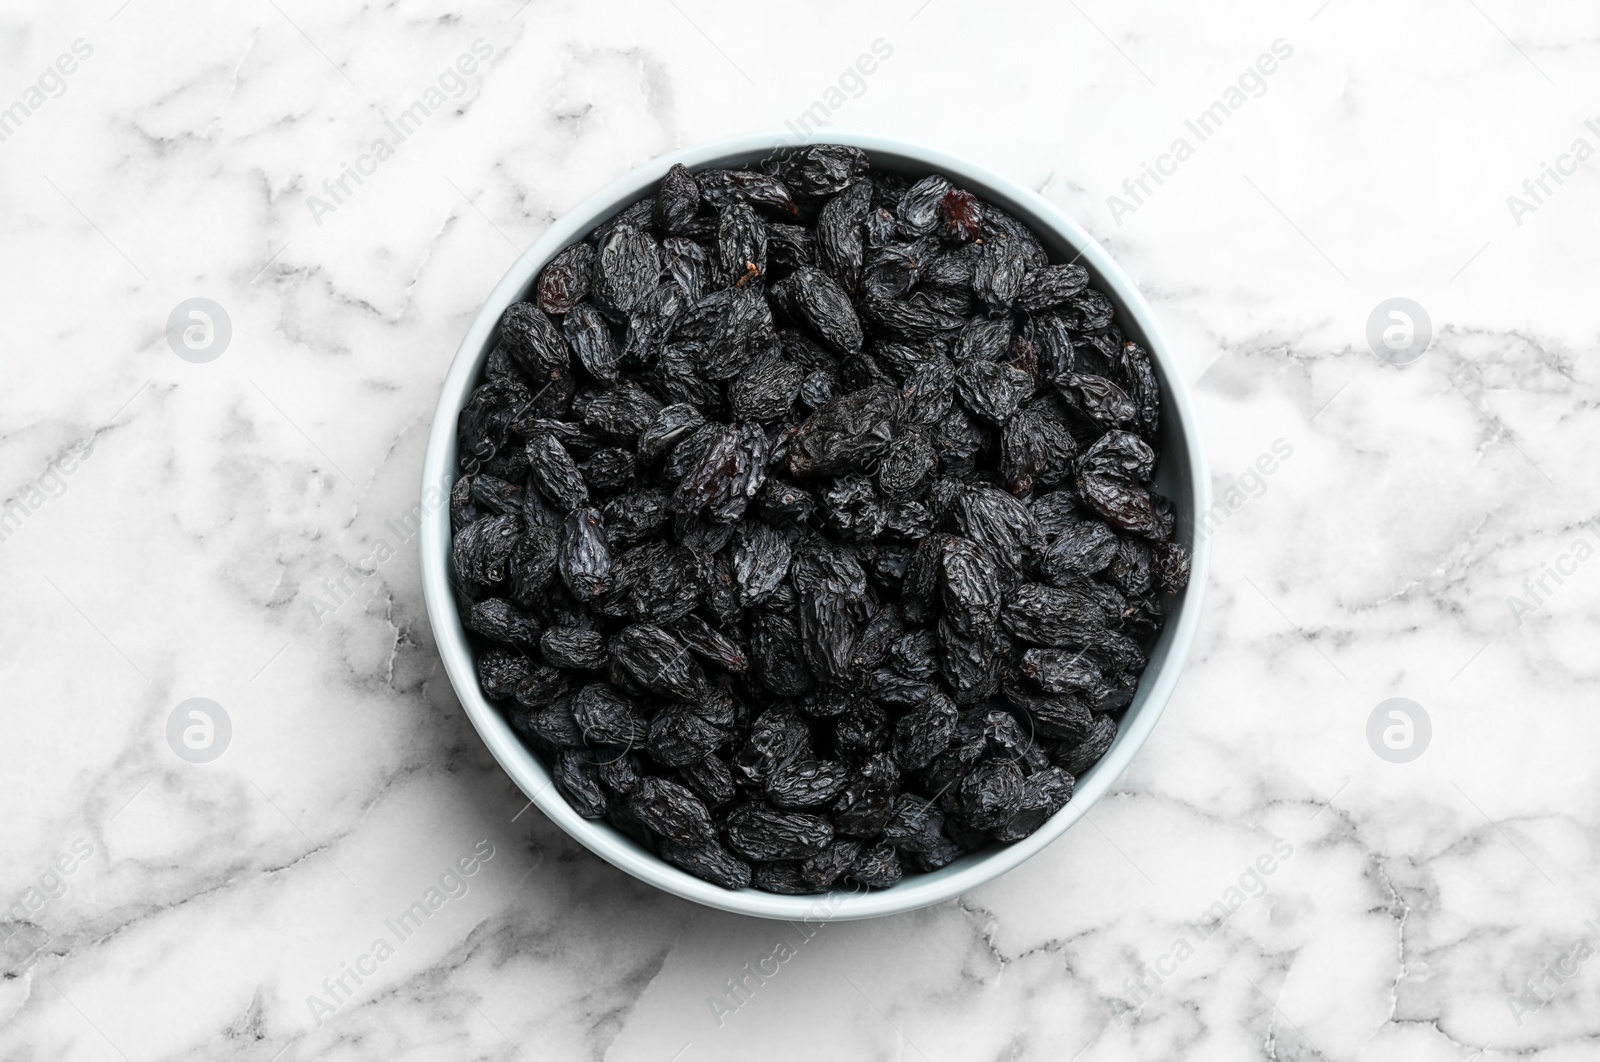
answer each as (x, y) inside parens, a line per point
(498, 620)
(877, 867)
(607, 717)
(814, 299)
(805, 783)
(841, 240)
(806, 526)
(573, 648)
(626, 266)
(657, 661)
(591, 341)
(672, 812)
(677, 201)
(565, 281)
(585, 555)
(579, 782)
(763, 833)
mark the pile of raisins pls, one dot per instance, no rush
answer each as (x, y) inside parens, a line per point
(805, 526)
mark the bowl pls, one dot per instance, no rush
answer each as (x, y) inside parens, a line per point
(1180, 474)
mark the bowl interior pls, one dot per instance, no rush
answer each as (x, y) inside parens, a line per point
(1178, 475)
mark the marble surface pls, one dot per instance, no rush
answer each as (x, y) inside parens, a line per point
(179, 520)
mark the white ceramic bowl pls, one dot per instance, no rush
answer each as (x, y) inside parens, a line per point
(1180, 473)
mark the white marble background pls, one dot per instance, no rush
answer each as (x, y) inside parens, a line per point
(179, 556)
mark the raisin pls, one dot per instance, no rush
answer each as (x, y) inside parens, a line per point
(1132, 567)
(623, 412)
(941, 855)
(585, 556)
(777, 738)
(992, 390)
(828, 866)
(923, 733)
(669, 426)
(915, 823)
(573, 648)
(820, 169)
(861, 730)
(672, 812)
(818, 388)
(555, 473)
(915, 654)
(918, 210)
(1000, 271)
(983, 339)
(969, 584)
(853, 509)
(928, 391)
(1123, 505)
(1087, 752)
(1143, 389)
(708, 643)
(579, 782)
(687, 267)
(805, 783)
(722, 188)
(760, 562)
(1043, 794)
(841, 240)
(1061, 616)
(1173, 561)
(831, 588)
(626, 265)
(758, 832)
(554, 725)
(609, 470)
(497, 620)
(607, 717)
(495, 495)
(783, 877)
(679, 737)
(657, 661)
(741, 244)
(814, 299)
(867, 800)
(591, 341)
(677, 201)
(482, 553)
(501, 672)
(907, 466)
(767, 390)
(1097, 400)
(961, 215)
(845, 434)
(534, 343)
(789, 247)
(879, 639)
(877, 867)
(1051, 286)
(632, 517)
(1082, 549)
(970, 661)
(991, 795)
(711, 778)
(463, 508)
(994, 519)
(1036, 449)
(545, 687)
(710, 861)
(564, 283)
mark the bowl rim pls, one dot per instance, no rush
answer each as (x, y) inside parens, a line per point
(531, 776)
